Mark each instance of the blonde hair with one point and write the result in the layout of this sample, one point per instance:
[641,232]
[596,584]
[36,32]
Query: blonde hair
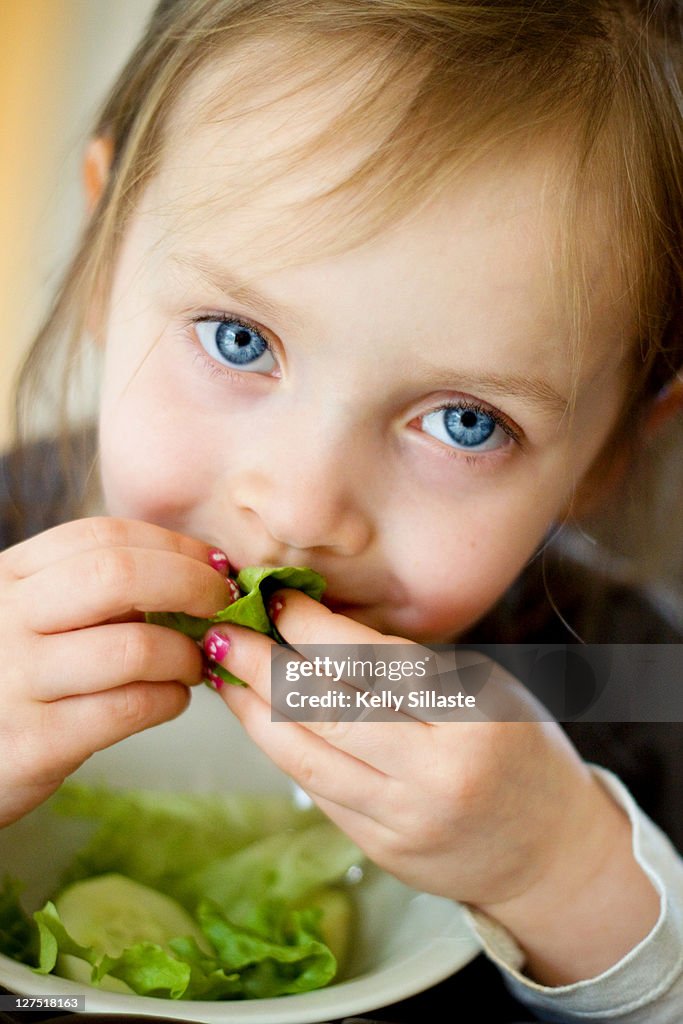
[441,83]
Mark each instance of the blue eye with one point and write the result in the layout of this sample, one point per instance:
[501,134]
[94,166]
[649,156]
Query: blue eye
[236,345]
[464,427]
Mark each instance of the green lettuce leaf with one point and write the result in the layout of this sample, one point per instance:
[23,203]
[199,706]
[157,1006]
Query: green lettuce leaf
[295,960]
[256,584]
[149,970]
[155,837]
[281,867]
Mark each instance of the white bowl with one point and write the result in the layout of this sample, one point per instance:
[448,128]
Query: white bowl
[406,941]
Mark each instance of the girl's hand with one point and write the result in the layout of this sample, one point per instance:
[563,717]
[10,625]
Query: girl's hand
[501,815]
[81,668]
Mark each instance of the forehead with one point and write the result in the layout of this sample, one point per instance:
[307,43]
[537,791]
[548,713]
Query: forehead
[234,186]
[249,134]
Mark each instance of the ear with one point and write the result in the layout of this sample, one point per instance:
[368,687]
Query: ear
[97,161]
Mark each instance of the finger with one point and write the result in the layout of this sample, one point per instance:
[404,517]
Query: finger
[320,769]
[92,534]
[94,721]
[101,657]
[382,744]
[91,587]
[301,620]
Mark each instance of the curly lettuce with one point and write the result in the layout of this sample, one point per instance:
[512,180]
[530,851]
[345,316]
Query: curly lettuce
[256,584]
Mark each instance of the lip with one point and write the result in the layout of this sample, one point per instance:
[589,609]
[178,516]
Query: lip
[236,565]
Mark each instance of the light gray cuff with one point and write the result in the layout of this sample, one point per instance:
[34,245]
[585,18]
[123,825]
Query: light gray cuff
[651,973]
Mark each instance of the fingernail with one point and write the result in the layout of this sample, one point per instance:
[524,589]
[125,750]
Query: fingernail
[235,592]
[218,560]
[275,606]
[216,645]
[214,679]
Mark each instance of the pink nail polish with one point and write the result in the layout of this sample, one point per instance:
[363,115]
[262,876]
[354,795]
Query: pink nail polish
[216,645]
[275,607]
[214,679]
[235,591]
[218,560]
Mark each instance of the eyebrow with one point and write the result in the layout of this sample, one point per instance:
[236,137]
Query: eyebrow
[231,284]
[534,390]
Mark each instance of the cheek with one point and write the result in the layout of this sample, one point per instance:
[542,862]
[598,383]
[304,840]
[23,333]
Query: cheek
[154,454]
[463,563]
[457,600]
[448,600]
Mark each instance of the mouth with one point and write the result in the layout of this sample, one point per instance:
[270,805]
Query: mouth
[338,605]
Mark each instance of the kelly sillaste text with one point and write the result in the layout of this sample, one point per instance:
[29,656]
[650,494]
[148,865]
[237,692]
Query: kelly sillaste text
[383,699]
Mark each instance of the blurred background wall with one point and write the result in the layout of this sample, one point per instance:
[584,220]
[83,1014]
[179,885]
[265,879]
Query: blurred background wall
[57,59]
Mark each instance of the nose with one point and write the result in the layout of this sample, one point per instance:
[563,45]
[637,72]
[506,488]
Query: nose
[301,494]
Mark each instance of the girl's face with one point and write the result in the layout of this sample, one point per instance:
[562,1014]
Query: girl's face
[394,417]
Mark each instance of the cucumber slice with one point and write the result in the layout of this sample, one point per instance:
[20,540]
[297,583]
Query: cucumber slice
[336,922]
[111,913]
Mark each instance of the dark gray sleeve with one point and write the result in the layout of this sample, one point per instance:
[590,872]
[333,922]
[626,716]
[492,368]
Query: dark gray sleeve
[40,488]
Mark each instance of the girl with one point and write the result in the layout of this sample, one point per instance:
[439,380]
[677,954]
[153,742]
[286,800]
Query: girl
[388,289]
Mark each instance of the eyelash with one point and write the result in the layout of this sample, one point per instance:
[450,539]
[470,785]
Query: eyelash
[485,410]
[219,370]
